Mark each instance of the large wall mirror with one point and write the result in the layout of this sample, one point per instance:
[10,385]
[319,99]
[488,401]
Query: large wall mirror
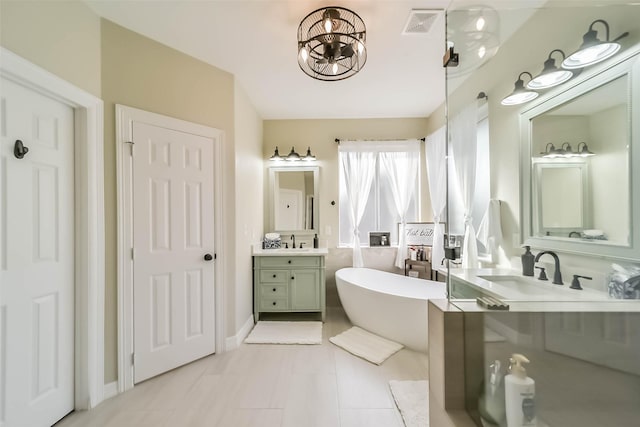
[578,184]
[293,199]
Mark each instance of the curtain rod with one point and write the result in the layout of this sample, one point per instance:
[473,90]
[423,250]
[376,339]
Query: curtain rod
[421,139]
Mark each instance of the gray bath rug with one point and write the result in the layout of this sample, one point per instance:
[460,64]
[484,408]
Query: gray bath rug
[364,344]
[270,332]
[412,399]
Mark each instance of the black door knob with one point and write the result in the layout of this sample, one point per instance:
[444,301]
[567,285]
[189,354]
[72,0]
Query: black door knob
[19,150]
[208,257]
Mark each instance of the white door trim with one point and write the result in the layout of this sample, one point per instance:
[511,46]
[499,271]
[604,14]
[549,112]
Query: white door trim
[124,118]
[89,224]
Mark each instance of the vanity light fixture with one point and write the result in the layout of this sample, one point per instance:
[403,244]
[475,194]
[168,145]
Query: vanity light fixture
[520,94]
[592,49]
[276,156]
[551,152]
[583,150]
[309,157]
[550,75]
[331,44]
[293,156]
[568,151]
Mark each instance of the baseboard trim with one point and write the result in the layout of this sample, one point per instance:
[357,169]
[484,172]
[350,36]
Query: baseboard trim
[234,342]
[110,390]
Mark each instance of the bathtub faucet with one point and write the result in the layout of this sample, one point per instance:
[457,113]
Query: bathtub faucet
[557,276]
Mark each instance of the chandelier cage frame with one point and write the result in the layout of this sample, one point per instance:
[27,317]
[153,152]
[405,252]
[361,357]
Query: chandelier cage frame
[334,54]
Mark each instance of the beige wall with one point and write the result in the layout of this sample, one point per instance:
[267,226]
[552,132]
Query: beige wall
[61,37]
[320,136]
[249,211]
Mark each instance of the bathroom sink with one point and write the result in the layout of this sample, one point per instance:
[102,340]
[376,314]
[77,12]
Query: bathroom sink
[519,284]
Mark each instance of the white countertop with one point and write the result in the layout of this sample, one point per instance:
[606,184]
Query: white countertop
[258,251]
[511,285]
[528,294]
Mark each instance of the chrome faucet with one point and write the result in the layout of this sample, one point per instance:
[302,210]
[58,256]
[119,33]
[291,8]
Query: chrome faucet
[557,276]
[293,237]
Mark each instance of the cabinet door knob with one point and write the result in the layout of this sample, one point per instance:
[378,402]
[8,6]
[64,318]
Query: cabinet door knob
[274,276]
[274,289]
[292,278]
[289,261]
[274,303]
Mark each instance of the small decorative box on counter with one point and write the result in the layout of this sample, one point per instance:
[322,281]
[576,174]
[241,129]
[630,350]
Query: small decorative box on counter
[272,241]
[624,282]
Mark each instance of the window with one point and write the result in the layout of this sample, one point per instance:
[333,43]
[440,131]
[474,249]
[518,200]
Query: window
[380,213]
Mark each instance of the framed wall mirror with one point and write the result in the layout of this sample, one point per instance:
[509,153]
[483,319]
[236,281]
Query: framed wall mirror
[293,199]
[578,186]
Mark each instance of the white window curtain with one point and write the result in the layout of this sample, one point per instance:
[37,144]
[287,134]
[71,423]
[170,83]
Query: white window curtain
[436,159]
[402,168]
[358,169]
[463,133]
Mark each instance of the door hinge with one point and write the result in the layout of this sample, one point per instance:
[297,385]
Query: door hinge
[133,253]
[215,256]
[133,358]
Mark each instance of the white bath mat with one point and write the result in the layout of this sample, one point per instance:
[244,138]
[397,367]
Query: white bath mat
[364,344]
[412,399]
[270,332]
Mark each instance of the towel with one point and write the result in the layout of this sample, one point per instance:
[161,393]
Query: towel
[490,233]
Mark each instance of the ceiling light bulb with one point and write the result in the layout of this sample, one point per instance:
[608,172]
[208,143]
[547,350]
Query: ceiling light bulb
[304,54]
[334,68]
[482,52]
[360,48]
[328,25]
[480,23]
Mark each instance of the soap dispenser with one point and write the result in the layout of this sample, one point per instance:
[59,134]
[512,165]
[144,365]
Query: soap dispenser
[315,241]
[519,394]
[527,262]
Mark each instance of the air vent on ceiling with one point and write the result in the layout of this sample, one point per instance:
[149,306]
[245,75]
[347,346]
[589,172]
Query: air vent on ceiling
[420,21]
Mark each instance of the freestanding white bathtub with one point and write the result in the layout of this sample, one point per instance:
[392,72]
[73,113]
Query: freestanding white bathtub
[389,305]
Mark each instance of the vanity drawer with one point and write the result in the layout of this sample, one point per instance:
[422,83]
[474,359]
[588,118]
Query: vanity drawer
[274,291]
[283,261]
[273,304]
[274,276]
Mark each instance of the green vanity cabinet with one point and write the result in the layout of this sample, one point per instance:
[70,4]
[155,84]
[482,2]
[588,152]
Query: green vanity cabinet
[288,284]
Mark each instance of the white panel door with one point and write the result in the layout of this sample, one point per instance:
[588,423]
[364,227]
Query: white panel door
[36,259]
[172,236]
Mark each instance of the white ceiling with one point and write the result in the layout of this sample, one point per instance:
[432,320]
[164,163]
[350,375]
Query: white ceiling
[256,41]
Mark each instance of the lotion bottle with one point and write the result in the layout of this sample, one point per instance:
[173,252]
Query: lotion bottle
[519,394]
[528,260]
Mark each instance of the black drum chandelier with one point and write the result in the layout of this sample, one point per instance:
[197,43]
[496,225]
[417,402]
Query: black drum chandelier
[331,44]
